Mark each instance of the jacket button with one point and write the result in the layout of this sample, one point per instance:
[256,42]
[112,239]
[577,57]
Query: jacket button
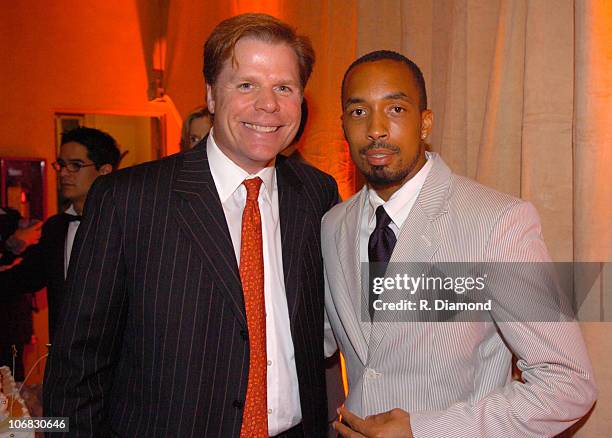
[238,404]
[244,334]
[371,373]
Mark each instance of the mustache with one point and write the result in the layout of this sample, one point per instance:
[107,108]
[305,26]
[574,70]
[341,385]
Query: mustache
[379,145]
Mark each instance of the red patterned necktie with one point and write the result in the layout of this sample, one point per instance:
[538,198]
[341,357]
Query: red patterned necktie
[255,417]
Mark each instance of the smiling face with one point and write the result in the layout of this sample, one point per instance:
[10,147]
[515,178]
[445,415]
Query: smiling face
[383,124]
[256,103]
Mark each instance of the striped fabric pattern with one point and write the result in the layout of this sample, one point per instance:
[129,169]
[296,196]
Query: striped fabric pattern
[454,378]
[153,339]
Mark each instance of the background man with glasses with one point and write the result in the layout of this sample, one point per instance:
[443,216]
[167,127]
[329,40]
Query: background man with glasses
[85,154]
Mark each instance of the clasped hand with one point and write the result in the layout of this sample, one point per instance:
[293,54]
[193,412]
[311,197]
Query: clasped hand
[392,424]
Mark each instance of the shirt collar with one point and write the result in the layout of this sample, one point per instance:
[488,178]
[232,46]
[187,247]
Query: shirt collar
[228,176]
[71,211]
[402,198]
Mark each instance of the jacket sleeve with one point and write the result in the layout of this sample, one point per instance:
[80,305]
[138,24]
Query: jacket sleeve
[557,386]
[30,275]
[81,362]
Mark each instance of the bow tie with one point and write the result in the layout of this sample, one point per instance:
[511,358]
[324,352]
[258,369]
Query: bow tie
[72,217]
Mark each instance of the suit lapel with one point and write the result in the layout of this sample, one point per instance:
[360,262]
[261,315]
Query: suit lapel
[57,250]
[418,240]
[293,213]
[200,214]
[351,298]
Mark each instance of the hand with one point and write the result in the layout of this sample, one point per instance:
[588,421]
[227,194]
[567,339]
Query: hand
[392,424]
[24,237]
[31,233]
[7,267]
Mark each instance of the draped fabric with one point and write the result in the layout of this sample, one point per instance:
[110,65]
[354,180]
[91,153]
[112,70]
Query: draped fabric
[153,21]
[500,81]
[593,191]
[522,97]
[331,26]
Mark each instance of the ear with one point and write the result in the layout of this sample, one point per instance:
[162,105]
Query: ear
[105,169]
[426,123]
[210,100]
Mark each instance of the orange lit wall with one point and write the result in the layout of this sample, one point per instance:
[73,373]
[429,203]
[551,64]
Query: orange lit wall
[272,7]
[68,55]
[65,56]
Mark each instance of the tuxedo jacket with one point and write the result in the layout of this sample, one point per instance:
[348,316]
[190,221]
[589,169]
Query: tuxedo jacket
[153,339]
[42,266]
[454,378]
[15,308]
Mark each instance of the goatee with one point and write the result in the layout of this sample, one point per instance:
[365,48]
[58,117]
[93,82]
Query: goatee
[379,176]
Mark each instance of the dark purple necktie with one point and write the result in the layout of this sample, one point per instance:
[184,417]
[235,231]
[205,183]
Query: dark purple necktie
[380,247]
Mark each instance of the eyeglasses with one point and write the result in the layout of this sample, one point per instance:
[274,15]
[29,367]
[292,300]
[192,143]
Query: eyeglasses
[71,166]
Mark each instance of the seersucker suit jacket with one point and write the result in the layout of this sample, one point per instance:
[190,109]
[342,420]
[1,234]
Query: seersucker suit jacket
[454,378]
[153,341]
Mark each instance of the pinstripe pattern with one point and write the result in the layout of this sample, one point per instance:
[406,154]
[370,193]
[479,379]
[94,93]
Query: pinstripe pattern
[153,338]
[454,377]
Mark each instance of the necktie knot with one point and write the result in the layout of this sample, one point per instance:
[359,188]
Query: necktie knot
[252,187]
[382,218]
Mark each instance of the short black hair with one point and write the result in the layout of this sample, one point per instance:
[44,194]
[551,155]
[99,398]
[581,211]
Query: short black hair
[379,55]
[101,147]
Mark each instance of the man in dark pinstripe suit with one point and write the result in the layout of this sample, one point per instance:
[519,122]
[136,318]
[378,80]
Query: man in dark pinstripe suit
[154,338]
[418,377]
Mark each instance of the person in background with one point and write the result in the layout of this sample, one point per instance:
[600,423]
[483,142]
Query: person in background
[85,154]
[195,127]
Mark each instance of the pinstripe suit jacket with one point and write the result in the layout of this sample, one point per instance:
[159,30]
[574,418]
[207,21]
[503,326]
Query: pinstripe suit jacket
[153,338]
[454,378]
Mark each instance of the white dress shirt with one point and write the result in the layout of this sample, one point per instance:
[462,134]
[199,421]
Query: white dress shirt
[73,226]
[397,207]
[284,410]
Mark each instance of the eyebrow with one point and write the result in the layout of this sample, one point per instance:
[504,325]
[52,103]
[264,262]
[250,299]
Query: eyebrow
[70,160]
[353,100]
[392,96]
[398,95]
[254,79]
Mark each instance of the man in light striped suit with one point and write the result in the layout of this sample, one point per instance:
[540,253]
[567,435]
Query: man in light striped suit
[422,378]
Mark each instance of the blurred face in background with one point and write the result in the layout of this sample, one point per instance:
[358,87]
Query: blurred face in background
[76,185]
[256,103]
[198,128]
